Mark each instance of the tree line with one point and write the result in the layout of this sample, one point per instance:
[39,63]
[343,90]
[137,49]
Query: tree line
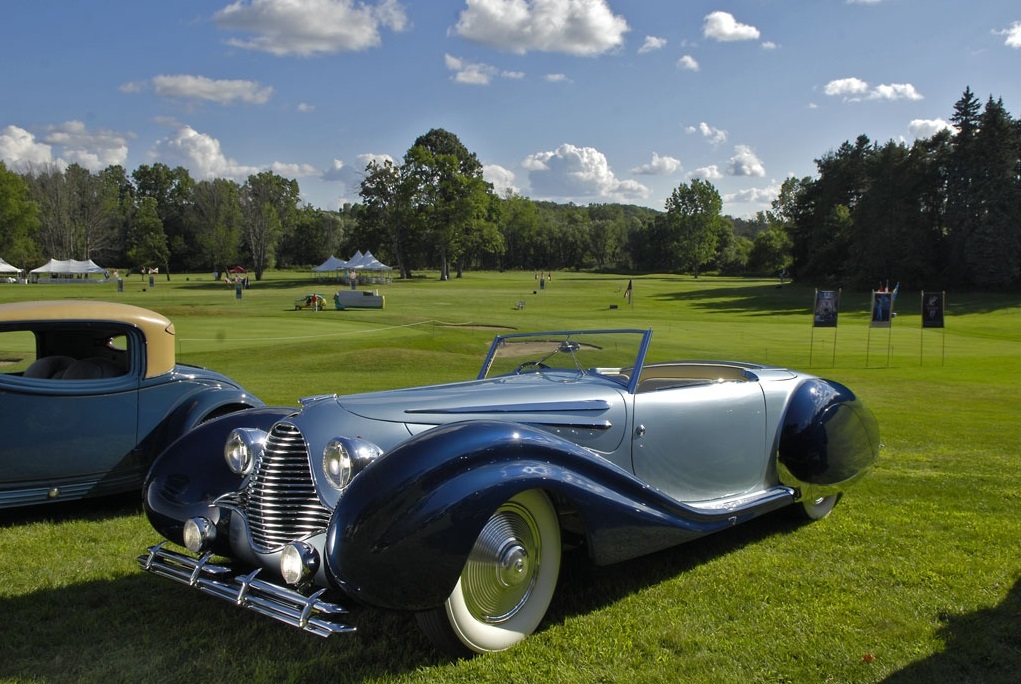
[940,212]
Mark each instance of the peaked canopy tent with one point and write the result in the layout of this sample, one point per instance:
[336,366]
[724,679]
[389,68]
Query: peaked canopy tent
[9,268]
[368,269]
[56,271]
[333,265]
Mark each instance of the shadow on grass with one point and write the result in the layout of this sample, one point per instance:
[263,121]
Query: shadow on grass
[101,508]
[144,628]
[584,588]
[983,646]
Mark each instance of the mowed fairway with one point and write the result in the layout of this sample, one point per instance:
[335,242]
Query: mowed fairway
[916,577]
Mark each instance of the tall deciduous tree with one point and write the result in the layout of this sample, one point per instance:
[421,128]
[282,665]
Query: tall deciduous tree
[172,190]
[389,202]
[147,243]
[269,203]
[453,198]
[216,213]
[19,220]
[693,216]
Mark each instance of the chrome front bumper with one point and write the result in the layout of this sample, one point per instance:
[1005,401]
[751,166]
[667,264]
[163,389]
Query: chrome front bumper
[309,613]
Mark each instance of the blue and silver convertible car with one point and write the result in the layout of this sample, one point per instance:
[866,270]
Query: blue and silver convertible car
[90,393]
[455,501]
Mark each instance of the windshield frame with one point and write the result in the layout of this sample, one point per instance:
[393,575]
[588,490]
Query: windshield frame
[634,369]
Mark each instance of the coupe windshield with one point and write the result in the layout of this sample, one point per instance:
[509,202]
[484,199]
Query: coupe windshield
[612,353]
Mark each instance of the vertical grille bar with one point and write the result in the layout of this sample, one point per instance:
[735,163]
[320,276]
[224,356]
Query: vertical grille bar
[280,501]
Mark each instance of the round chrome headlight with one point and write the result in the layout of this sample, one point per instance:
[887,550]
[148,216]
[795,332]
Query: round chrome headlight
[298,562]
[199,534]
[241,447]
[337,464]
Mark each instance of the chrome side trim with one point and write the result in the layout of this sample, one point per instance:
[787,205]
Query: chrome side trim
[308,613]
[532,407]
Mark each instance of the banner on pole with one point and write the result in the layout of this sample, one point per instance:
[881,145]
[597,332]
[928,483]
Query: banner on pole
[882,309]
[933,307]
[827,303]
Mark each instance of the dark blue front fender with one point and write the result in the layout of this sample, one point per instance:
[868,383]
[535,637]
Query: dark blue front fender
[190,473]
[404,527]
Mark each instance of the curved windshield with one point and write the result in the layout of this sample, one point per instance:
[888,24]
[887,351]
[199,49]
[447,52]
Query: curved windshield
[610,353]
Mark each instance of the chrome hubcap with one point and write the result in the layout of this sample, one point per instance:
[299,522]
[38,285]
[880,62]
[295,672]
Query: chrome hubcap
[501,569]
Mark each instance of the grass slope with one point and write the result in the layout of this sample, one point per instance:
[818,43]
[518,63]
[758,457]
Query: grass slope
[916,577]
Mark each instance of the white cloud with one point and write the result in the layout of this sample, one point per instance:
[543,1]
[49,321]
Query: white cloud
[711,172]
[769,45]
[571,172]
[926,128]
[688,63]
[1013,35]
[478,73]
[501,178]
[292,170]
[94,150]
[855,90]
[846,87]
[310,27]
[723,27]
[713,135]
[305,107]
[20,149]
[762,196]
[651,43]
[575,27]
[200,154]
[745,163]
[556,78]
[659,166]
[223,91]
[468,73]
[895,91]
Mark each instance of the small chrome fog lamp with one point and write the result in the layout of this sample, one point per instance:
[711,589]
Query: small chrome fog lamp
[241,447]
[199,534]
[298,562]
[337,464]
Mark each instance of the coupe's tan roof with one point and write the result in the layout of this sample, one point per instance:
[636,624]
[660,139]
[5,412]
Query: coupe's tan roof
[158,330]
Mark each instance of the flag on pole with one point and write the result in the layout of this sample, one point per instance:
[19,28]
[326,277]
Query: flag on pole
[627,292]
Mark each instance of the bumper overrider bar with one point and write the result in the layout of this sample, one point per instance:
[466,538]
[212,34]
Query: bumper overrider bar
[309,613]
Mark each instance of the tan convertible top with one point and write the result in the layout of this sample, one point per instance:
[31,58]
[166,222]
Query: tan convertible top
[157,329]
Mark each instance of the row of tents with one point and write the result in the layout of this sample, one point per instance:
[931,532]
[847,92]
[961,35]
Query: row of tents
[362,268]
[56,269]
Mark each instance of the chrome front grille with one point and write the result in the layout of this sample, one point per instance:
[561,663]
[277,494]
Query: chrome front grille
[280,501]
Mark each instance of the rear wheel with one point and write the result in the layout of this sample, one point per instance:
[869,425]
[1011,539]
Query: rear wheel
[507,582]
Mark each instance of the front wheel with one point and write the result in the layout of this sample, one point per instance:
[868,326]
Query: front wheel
[507,582]
[819,507]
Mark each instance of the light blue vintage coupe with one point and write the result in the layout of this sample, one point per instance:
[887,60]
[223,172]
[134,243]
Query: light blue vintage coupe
[90,393]
[454,501]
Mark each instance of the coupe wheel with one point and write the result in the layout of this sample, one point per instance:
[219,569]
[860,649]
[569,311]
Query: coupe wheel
[818,508]
[506,584]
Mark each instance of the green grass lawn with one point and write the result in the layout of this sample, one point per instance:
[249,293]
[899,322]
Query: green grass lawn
[916,577]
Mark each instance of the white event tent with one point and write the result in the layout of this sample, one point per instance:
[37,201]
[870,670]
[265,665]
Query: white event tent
[63,271]
[9,268]
[363,267]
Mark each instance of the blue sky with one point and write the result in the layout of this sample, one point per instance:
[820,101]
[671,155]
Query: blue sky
[584,101]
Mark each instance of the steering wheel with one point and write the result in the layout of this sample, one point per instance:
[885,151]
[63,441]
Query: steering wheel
[531,365]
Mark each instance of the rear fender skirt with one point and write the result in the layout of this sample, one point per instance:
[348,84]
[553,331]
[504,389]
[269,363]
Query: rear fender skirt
[404,527]
[829,438]
[185,479]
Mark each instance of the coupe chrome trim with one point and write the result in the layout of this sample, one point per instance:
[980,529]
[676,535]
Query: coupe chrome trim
[308,613]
